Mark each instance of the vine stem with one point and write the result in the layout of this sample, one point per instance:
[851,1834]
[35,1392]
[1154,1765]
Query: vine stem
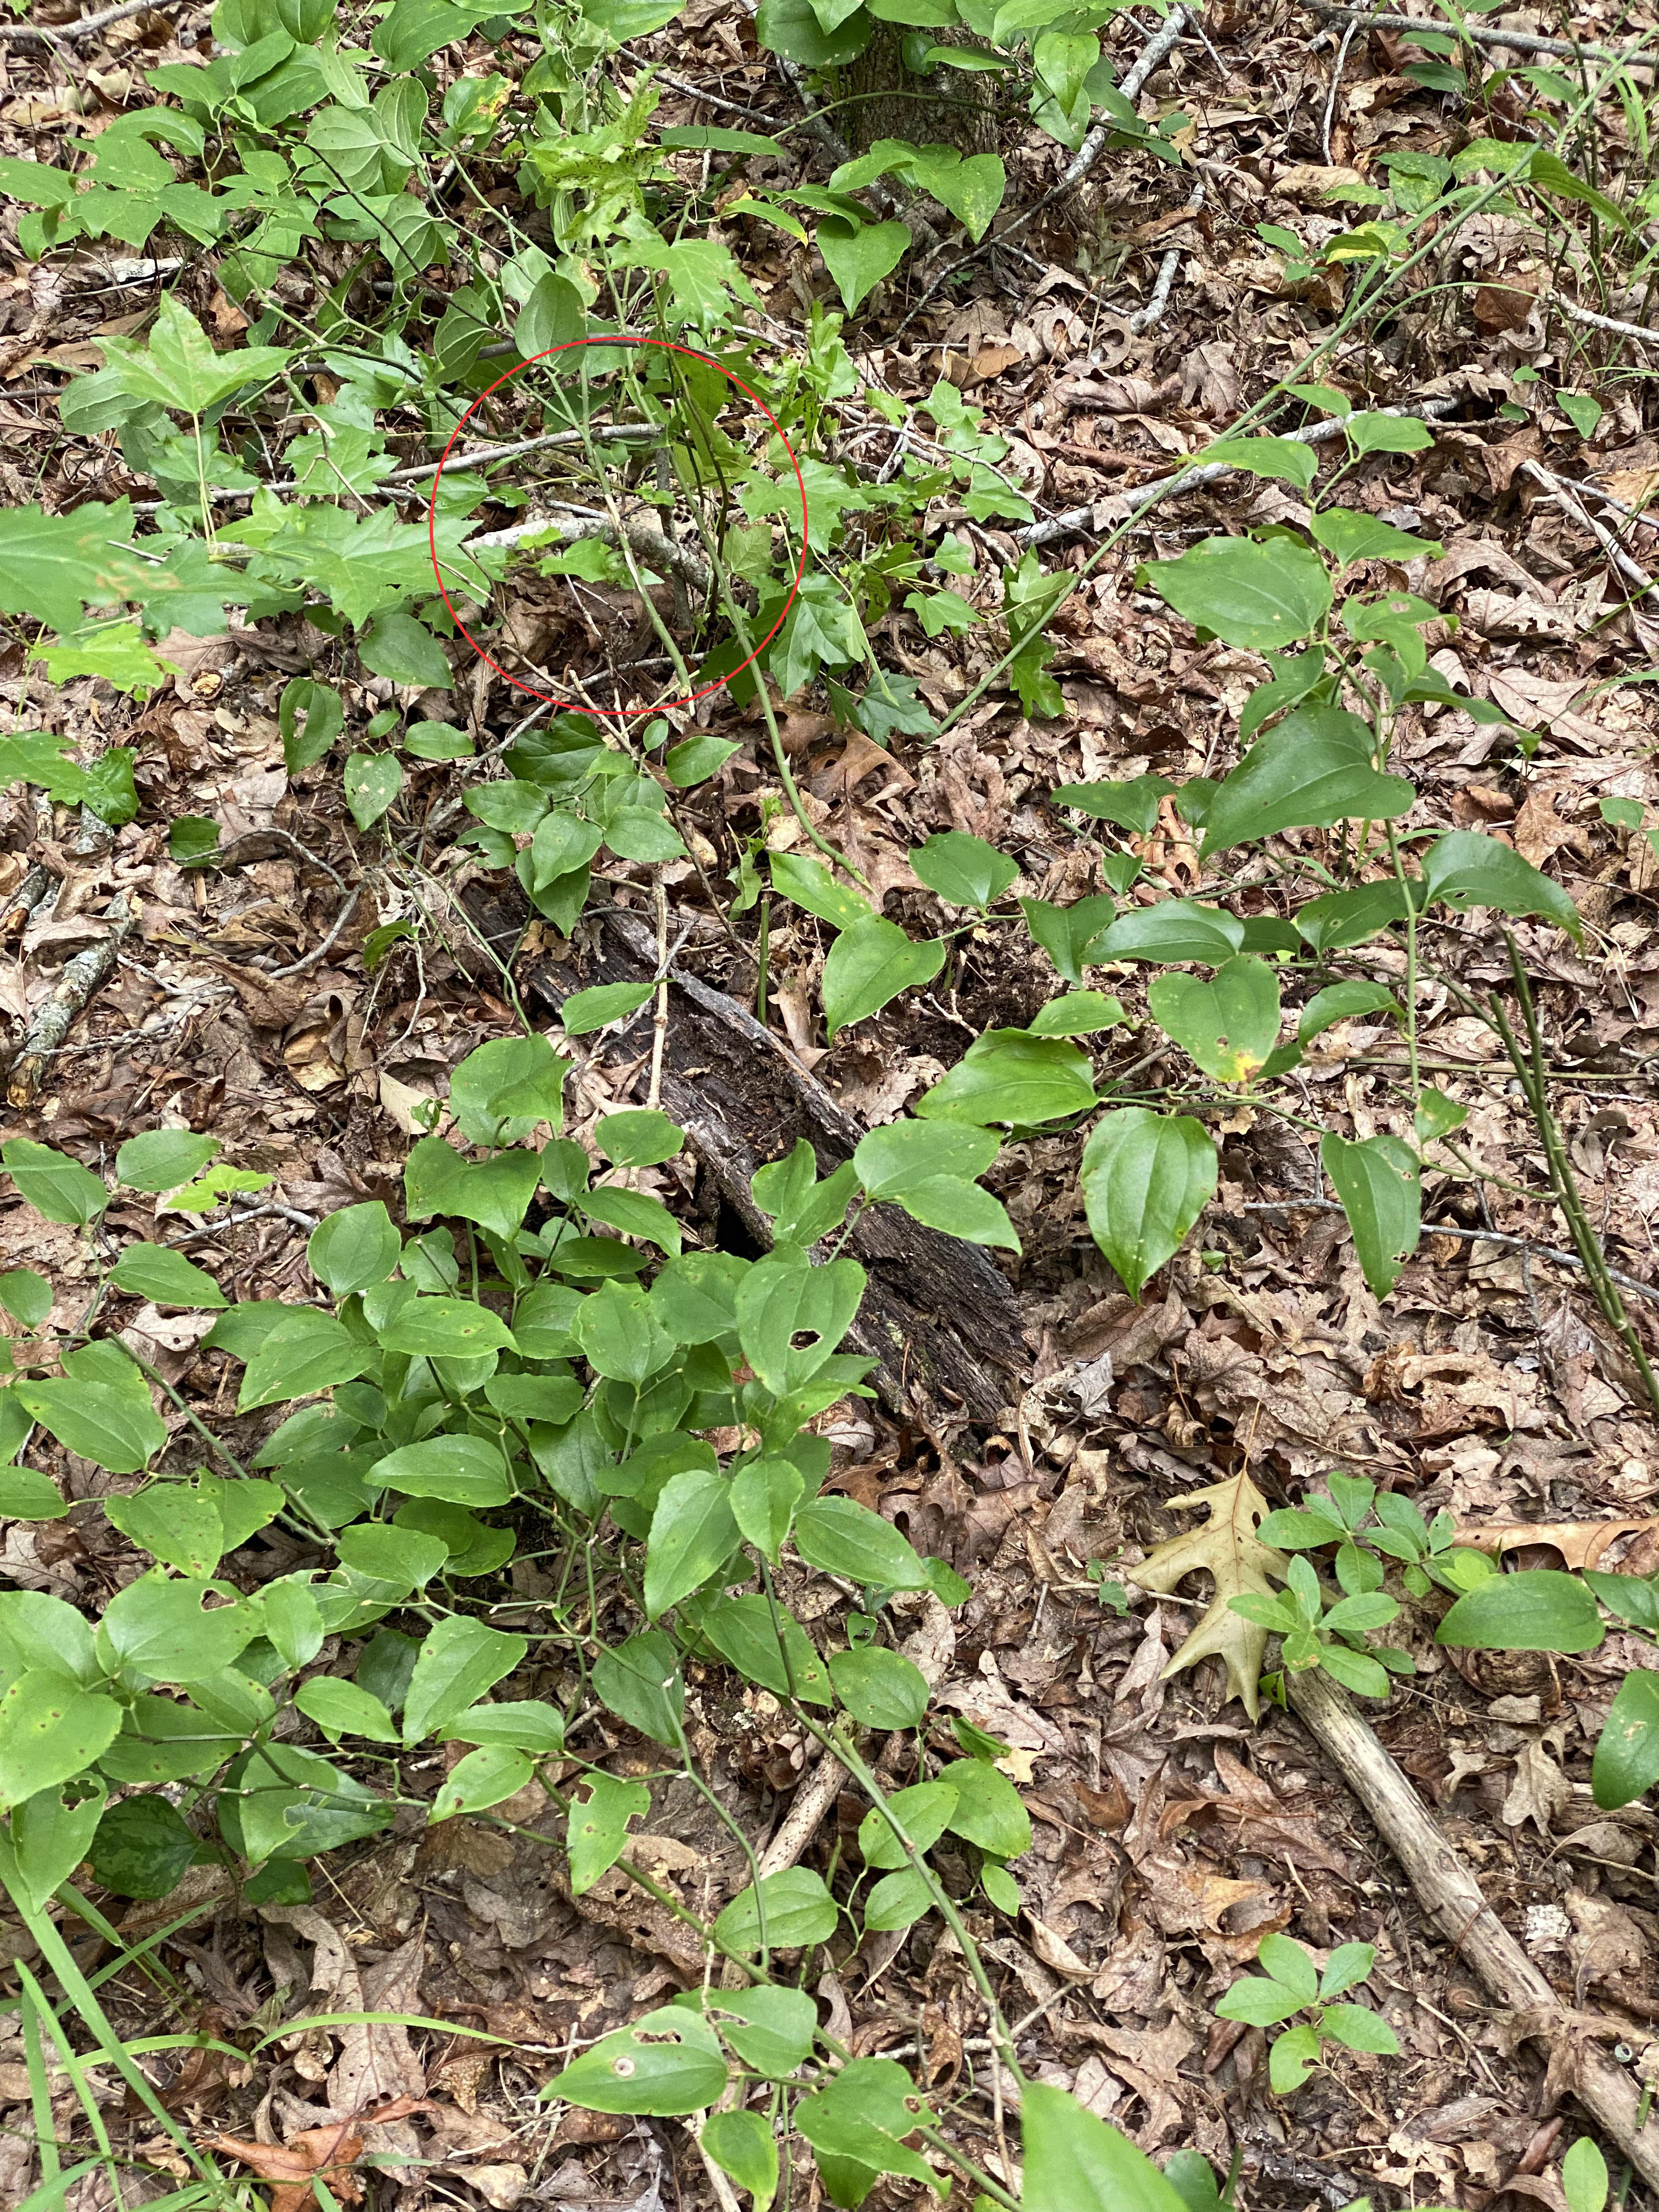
[1531,1072]
[1406,889]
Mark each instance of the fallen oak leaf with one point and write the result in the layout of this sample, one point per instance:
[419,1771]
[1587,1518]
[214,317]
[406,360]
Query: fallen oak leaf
[326,2153]
[1581,1543]
[1228,1548]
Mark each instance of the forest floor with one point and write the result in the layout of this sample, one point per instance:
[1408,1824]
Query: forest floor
[1171,1834]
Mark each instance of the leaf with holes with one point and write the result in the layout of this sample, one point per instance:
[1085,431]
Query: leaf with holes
[1229,1025]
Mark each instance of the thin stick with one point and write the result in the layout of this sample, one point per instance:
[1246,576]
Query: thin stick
[1452,1899]
[1148,317]
[1565,495]
[659,1020]
[1455,1229]
[27,34]
[1337,69]
[1520,42]
[1577,314]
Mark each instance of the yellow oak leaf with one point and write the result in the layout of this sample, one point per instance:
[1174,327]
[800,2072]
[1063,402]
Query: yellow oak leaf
[1228,1548]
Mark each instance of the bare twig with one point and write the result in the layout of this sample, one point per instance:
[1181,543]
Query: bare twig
[1148,317]
[35,887]
[567,529]
[320,952]
[1453,1901]
[1123,506]
[27,34]
[1455,1229]
[306,1221]
[1337,68]
[1495,35]
[1575,314]
[1567,497]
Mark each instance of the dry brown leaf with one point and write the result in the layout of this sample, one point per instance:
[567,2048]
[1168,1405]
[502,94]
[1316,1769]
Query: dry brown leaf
[1227,1548]
[1581,1543]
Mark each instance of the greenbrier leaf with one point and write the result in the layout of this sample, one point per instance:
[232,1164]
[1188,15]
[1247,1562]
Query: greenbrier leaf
[1537,1609]
[809,883]
[1229,1025]
[784,1911]
[143,1847]
[784,1297]
[101,1410]
[870,964]
[693,1533]
[584,1011]
[160,1630]
[1010,1076]
[1377,1182]
[597,1833]
[163,1159]
[842,1537]
[460,1470]
[484,1777]
[1340,1002]
[456,1664]
[964,870]
[1287,459]
[49,1731]
[304,1352]
[354,1248]
[54,1185]
[640,1681]
[1076,2163]
[1627,1762]
[666,2064]
[151,1271]
[1175,929]
[858,256]
[1316,768]
[1262,596]
[764,1641]
[1465,869]
[1351,536]
[372,781]
[1146,1178]
[171,1524]
[742,2144]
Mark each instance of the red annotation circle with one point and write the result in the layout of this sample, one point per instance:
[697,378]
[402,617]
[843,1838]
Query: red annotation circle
[584,706]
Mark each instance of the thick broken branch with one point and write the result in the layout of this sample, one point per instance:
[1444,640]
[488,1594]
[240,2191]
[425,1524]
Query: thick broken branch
[1453,1902]
[83,978]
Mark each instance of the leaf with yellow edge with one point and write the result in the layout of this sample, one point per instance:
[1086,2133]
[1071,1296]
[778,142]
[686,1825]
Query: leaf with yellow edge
[1228,1548]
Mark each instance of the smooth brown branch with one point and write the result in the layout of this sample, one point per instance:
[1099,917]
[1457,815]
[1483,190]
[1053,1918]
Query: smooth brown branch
[83,978]
[1453,1901]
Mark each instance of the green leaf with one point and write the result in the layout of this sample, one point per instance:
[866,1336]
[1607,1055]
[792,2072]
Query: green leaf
[179,369]
[1357,2027]
[784,1297]
[1584,2177]
[482,1779]
[764,1498]
[100,1410]
[526,1723]
[372,781]
[163,1159]
[584,1011]
[1175,929]
[1351,536]
[1627,1762]
[881,1689]
[1536,1610]
[50,1835]
[635,1213]
[1259,2001]
[55,1186]
[1316,768]
[764,1641]
[456,1664]
[284,1803]
[1229,1025]
[692,1533]
[151,1271]
[1262,596]
[899,1155]
[28,1495]
[742,2145]
[842,1537]
[171,1524]
[310,715]
[596,1832]
[1146,1178]
[640,1681]
[50,1730]
[1349,1964]
[446,1329]
[1010,1076]
[158,1630]
[1378,1183]
[462,1470]
[640,1138]
[26,1296]
[341,1708]
[810,885]
[143,1848]
[1287,459]
[1076,2163]
[1077,1013]
[354,1248]
[988,1811]
[1465,869]
[870,964]
[51,566]
[923,1813]
[964,870]
[665,2065]
[1388,433]
[1292,2059]
[1287,1962]
[1067,933]
[1340,1002]
[802,1208]
[794,1907]
[858,256]
[305,1352]
[1131,804]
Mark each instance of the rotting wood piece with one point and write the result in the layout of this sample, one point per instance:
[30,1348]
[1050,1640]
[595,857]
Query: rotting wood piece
[939,1315]
[1457,1910]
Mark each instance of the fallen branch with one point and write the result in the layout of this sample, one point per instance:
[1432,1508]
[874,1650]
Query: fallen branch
[1155,50]
[1577,314]
[36,886]
[1124,506]
[566,529]
[1566,497]
[1520,42]
[83,978]
[1148,317]
[1453,1902]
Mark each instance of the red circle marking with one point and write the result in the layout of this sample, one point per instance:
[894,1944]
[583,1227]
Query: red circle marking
[583,706]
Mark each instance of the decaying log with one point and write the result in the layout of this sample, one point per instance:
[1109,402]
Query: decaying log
[939,1315]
